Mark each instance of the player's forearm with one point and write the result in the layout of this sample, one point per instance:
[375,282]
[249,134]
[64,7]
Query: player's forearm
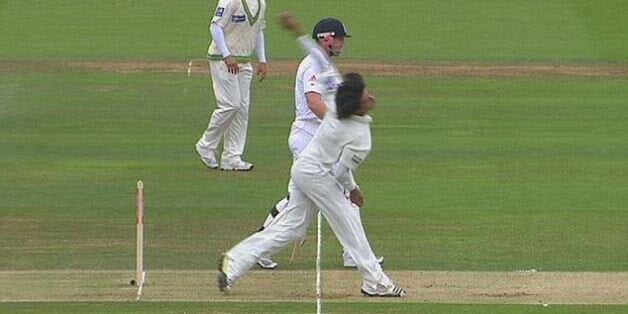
[260,47]
[316,104]
[218,36]
[344,176]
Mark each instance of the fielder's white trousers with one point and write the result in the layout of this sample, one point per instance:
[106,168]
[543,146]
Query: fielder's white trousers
[230,119]
[312,189]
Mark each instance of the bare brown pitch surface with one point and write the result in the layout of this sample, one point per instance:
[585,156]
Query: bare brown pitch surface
[375,68]
[288,67]
[338,286]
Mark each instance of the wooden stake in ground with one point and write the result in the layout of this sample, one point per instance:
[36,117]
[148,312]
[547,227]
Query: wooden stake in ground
[140,274]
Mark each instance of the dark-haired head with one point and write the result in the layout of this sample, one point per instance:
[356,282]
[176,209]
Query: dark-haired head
[352,97]
[349,95]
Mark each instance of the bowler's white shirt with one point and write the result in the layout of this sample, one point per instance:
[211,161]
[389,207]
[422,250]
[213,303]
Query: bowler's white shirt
[347,141]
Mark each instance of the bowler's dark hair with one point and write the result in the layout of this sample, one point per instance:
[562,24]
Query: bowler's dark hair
[349,95]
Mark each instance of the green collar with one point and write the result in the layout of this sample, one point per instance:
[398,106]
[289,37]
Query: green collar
[252,19]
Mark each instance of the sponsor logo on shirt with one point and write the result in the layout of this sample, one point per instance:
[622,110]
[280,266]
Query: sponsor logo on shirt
[220,11]
[313,78]
[238,18]
[356,159]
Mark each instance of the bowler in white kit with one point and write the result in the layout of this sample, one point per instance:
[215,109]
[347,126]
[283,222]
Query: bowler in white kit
[320,175]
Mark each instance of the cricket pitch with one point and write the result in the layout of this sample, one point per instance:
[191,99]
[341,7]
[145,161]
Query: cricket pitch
[462,287]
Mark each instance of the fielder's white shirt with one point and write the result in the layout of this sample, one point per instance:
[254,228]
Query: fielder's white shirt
[346,141]
[239,25]
[315,74]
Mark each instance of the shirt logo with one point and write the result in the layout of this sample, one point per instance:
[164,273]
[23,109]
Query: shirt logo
[356,159]
[238,18]
[220,11]
[313,78]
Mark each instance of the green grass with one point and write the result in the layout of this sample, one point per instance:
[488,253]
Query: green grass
[466,173]
[562,31]
[481,181]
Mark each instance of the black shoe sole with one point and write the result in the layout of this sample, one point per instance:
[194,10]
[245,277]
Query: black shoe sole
[366,294]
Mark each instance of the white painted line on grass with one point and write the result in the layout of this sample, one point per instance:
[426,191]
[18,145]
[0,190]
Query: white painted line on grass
[170,300]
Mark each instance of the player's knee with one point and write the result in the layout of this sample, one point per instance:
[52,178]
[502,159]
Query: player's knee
[226,107]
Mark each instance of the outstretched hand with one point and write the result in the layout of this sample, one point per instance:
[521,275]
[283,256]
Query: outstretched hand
[290,23]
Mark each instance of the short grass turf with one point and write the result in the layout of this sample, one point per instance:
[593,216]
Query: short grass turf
[465,174]
[562,31]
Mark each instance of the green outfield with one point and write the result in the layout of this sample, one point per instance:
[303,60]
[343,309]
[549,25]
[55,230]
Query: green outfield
[470,170]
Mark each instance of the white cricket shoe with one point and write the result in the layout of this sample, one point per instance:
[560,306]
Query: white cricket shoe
[224,283]
[350,263]
[383,291]
[208,157]
[238,165]
[267,263]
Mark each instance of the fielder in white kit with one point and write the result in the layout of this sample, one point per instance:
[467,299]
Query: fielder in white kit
[343,138]
[237,29]
[330,34]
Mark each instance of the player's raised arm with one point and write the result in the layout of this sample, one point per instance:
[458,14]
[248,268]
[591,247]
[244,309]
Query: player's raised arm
[290,23]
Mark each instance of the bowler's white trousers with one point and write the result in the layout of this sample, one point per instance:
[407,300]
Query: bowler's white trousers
[312,189]
[231,117]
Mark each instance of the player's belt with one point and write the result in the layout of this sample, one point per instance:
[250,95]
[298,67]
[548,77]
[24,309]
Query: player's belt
[241,59]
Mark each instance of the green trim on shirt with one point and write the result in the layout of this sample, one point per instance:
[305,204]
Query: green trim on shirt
[252,19]
[240,59]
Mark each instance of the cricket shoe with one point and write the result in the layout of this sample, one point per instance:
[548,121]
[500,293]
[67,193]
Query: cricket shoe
[224,283]
[238,165]
[350,263]
[391,291]
[267,263]
[208,157]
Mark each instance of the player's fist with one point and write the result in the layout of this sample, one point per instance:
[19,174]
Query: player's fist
[356,197]
[290,24]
